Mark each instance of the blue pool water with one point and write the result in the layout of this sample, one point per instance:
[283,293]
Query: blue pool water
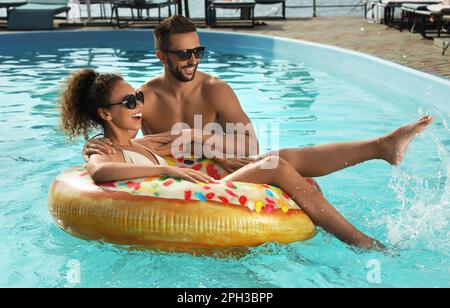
[316,95]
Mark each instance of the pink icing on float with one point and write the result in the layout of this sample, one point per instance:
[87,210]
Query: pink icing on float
[174,214]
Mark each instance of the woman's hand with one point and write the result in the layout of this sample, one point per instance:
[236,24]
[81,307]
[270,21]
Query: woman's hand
[233,164]
[188,175]
[98,146]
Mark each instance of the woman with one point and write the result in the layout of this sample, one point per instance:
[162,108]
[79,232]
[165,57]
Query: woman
[105,100]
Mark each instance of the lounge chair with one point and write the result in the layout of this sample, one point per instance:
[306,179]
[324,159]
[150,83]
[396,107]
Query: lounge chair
[140,5]
[372,7]
[267,2]
[409,12]
[391,6]
[36,14]
[436,12]
[102,6]
[247,8]
[8,4]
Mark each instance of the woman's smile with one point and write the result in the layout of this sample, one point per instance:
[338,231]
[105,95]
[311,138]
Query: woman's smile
[137,116]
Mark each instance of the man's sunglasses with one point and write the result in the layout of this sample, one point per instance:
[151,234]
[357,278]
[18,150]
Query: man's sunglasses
[186,54]
[130,101]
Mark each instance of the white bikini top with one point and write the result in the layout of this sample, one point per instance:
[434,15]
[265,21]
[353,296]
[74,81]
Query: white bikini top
[135,158]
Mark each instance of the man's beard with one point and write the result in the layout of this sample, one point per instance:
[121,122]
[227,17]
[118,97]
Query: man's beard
[178,74]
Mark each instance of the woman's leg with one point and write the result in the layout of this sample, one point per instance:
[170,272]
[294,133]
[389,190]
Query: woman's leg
[311,201]
[325,159]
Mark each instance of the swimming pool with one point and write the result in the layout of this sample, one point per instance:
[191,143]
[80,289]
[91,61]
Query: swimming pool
[315,93]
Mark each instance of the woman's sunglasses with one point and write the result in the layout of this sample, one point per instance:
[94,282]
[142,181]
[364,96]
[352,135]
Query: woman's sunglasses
[130,101]
[186,54]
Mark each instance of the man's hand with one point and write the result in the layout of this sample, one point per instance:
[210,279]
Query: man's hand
[233,164]
[98,146]
[165,141]
[159,140]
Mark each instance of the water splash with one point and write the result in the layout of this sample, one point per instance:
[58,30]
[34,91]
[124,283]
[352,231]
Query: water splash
[424,214]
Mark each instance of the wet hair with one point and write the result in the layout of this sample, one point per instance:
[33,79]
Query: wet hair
[173,25]
[84,92]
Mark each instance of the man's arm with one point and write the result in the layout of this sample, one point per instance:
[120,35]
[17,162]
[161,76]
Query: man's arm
[241,140]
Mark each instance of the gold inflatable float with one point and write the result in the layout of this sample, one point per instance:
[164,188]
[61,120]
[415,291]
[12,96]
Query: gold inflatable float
[173,214]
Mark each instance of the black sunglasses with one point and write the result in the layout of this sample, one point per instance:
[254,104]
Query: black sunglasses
[130,101]
[186,54]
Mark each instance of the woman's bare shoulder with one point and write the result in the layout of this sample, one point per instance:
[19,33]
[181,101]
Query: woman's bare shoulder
[107,158]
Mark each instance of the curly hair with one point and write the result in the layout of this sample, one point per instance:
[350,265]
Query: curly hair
[173,25]
[84,92]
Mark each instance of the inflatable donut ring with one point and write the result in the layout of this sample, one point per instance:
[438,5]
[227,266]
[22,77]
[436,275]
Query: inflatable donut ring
[173,214]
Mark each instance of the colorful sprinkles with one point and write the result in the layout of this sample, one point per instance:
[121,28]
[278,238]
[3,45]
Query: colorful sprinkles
[261,198]
[200,196]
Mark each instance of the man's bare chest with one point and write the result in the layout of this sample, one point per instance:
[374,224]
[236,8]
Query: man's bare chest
[162,117]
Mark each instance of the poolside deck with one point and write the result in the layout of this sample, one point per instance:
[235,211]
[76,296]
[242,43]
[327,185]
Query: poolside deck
[356,34]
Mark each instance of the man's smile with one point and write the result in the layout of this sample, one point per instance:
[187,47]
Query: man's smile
[190,69]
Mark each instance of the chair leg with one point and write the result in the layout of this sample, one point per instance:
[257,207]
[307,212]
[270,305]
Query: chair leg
[253,17]
[388,18]
[391,15]
[416,23]
[103,10]
[423,31]
[118,17]
[385,16]
[408,21]
[116,9]
[439,22]
[186,9]
[402,21]
[110,20]
[212,13]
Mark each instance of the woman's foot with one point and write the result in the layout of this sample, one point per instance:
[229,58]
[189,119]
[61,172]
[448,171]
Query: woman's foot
[396,143]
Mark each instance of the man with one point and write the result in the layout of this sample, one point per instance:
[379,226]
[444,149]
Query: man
[184,94]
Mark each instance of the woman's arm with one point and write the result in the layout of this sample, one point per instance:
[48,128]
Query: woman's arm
[105,168]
